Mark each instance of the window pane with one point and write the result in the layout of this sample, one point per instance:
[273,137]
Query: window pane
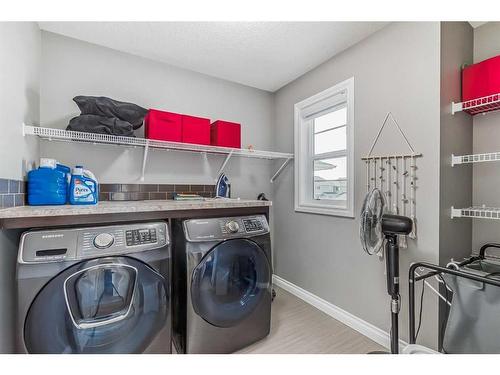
[330,120]
[330,180]
[331,140]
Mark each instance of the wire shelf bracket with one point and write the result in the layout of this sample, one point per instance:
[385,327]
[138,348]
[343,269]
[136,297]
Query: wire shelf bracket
[144,161]
[52,134]
[280,169]
[226,160]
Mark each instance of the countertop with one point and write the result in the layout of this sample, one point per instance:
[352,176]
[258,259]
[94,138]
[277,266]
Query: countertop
[30,216]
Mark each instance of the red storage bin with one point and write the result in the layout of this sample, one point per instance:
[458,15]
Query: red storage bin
[195,130]
[225,134]
[163,126]
[481,79]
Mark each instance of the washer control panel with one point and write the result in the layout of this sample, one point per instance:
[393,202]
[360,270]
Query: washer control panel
[141,236]
[81,243]
[200,230]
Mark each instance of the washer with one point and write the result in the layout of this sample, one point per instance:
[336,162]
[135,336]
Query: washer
[222,283]
[95,290]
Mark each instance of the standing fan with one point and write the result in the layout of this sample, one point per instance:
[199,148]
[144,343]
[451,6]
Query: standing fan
[375,228]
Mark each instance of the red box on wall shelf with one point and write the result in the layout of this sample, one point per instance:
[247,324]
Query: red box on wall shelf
[163,126]
[481,79]
[195,130]
[225,134]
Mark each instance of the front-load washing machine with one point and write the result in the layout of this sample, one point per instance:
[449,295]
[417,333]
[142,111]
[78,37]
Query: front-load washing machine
[222,283]
[95,290]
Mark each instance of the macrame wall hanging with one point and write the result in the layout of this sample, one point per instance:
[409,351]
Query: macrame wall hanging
[395,175]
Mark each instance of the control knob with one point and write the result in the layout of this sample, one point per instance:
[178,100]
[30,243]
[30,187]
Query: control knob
[232,226]
[103,240]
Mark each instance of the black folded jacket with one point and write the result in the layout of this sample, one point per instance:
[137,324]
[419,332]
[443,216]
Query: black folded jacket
[101,125]
[107,107]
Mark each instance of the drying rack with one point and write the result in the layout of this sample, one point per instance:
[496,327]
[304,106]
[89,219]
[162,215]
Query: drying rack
[434,270]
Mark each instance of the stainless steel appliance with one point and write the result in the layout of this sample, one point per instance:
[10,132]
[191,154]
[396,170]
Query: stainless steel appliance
[95,290]
[222,283]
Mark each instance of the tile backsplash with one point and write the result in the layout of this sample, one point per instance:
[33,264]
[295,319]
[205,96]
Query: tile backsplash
[135,192]
[12,193]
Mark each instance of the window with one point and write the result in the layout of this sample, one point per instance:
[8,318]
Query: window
[324,152]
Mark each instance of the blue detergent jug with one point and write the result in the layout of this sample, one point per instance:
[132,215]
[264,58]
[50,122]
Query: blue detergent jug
[83,188]
[48,185]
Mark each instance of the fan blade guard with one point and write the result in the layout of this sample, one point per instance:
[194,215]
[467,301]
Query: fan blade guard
[370,229]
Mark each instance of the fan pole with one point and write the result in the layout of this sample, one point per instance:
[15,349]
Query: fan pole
[392,263]
[391,226]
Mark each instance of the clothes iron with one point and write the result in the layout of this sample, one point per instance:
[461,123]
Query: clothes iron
[222,188]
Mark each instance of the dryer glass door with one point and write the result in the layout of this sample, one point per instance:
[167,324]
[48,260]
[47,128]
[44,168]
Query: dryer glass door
[106,305]
[230,282]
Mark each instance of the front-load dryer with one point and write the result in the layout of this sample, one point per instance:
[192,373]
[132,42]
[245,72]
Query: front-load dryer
[95,290]
[222,283]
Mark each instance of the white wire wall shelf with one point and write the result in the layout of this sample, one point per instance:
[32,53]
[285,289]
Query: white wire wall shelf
[474,158]
[477,212]
[480,105]
[52,134]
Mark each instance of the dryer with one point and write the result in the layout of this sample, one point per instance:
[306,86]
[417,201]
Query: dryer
[95,290]
[222,283]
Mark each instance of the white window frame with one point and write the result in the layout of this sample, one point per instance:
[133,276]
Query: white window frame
[304,143]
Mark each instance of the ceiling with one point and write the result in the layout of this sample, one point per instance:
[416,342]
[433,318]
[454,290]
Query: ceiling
[265,55]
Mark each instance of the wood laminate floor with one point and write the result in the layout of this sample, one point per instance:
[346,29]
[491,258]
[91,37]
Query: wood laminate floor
[297,327]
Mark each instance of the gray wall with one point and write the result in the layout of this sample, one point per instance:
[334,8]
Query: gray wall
[396,69]
[71,67]
[486,177]
[455,236]
[19,101]
[19,95]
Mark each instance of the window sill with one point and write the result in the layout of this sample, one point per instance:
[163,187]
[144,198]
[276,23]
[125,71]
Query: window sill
[348,214]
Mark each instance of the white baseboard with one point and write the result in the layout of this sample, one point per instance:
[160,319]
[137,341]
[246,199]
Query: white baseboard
[367,329]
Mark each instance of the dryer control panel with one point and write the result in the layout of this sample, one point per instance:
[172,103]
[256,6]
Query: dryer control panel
[252,225]
[59,245]
[201,230]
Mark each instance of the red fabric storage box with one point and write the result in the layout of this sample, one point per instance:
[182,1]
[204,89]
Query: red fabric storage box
[195,130]
[481,79]
[163,126]
[225,134]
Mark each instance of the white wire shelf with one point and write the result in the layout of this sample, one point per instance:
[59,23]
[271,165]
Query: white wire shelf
[474,158]
[477,212]
[480,105]
[94,138]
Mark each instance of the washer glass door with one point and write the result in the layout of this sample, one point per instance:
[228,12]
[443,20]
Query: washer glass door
[106,305]
[230,282]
